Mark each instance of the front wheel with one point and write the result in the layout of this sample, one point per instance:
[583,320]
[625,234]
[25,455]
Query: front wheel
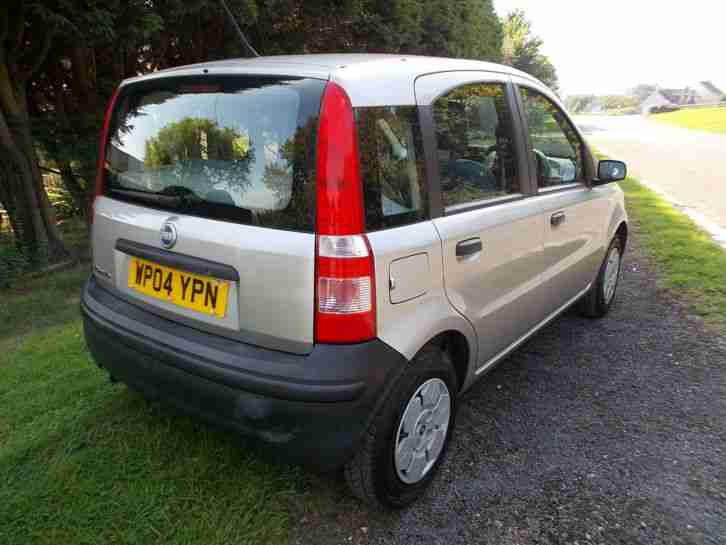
[597,302]
[405,444]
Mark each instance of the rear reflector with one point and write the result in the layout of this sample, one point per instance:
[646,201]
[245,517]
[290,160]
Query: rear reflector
[345,310]
[344,295]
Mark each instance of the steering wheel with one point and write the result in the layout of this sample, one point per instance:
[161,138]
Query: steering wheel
[490,150]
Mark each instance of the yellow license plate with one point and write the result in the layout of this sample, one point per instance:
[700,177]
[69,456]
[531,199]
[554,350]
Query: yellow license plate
[193,291]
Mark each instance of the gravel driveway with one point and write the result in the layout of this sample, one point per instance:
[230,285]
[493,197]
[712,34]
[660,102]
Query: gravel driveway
[594,432]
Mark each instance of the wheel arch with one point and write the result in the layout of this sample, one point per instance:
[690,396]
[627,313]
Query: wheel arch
[456,345]
[618,222]
[622,233]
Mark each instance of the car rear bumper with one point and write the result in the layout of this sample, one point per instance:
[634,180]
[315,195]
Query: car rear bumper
[315,407]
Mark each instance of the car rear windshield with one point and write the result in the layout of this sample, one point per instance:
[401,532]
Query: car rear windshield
[237,148]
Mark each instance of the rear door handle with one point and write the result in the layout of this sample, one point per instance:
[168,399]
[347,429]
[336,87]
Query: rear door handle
[557,218]
[468,247]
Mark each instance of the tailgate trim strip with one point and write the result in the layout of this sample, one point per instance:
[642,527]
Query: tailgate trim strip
[182,262]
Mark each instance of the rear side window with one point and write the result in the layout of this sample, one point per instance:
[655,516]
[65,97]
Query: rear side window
[230,148]
[392,166]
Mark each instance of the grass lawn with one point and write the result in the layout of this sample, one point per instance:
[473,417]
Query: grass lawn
[702,119]
[85,461]
[689,261]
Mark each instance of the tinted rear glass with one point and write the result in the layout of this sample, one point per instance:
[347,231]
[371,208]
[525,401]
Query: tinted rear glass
[234,148]
[392,166]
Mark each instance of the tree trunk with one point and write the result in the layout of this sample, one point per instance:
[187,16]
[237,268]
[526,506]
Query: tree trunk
[74,187]
[29,222]
[24,220]
[7,201]
[32,202]
[56,247]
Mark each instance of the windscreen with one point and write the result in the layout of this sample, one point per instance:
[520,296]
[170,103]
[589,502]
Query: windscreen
[234,148]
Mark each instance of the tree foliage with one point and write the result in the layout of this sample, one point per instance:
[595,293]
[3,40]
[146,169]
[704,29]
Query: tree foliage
[579,103]
[586,103]
[197,152]
[450,28]
[459,28]
[522,49]
[194,139]
[60,61]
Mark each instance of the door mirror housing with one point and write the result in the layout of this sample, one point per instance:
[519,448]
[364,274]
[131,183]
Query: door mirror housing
[610,171]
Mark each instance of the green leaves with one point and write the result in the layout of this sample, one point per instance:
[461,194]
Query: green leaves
[67,56]
[521,49]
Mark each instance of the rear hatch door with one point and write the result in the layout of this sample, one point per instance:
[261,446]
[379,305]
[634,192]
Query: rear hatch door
[207,215]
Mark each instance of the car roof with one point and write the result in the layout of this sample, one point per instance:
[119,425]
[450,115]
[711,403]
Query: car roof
[360,74]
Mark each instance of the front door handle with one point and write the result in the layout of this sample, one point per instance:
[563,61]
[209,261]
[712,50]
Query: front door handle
[558,218]
[468,247]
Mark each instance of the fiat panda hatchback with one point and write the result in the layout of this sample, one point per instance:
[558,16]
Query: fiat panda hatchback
[325,251]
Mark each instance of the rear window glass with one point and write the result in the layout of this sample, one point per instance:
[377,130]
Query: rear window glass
[392,166]
[235,148]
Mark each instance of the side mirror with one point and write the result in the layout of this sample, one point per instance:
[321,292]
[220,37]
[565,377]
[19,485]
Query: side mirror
[610,171]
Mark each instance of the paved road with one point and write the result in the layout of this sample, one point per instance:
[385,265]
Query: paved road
[688,165]
[604,432]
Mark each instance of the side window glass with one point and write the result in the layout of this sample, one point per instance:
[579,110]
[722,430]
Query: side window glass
[392,165]
[474,144]
[556,147]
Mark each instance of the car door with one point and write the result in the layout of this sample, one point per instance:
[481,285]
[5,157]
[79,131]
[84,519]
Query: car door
[482,204]
[572,213]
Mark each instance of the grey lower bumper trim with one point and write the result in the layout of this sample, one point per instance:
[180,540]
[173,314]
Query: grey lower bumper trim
[330,373]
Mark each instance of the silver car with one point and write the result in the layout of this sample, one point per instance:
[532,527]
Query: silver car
[325,251]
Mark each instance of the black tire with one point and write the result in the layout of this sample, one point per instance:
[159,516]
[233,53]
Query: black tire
[371,474]
[594,303]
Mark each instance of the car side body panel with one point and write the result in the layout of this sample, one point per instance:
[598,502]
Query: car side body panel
[498,288]
[407,326]
[573,249]
[618,215]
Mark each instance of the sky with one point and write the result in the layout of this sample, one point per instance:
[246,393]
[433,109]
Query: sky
[604,47]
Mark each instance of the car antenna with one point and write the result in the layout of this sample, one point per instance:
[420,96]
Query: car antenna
[242,37]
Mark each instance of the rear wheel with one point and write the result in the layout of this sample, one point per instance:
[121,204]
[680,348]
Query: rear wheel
[597,302]
[405,444]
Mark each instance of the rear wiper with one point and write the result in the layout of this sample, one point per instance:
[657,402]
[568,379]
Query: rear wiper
[186,196]
[176,201]
[156,198]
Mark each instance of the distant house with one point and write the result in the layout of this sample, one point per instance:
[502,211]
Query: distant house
[704,92]
[708,93]
[667,98]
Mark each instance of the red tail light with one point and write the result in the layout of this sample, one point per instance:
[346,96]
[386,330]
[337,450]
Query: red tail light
[345,307]
[102,153]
